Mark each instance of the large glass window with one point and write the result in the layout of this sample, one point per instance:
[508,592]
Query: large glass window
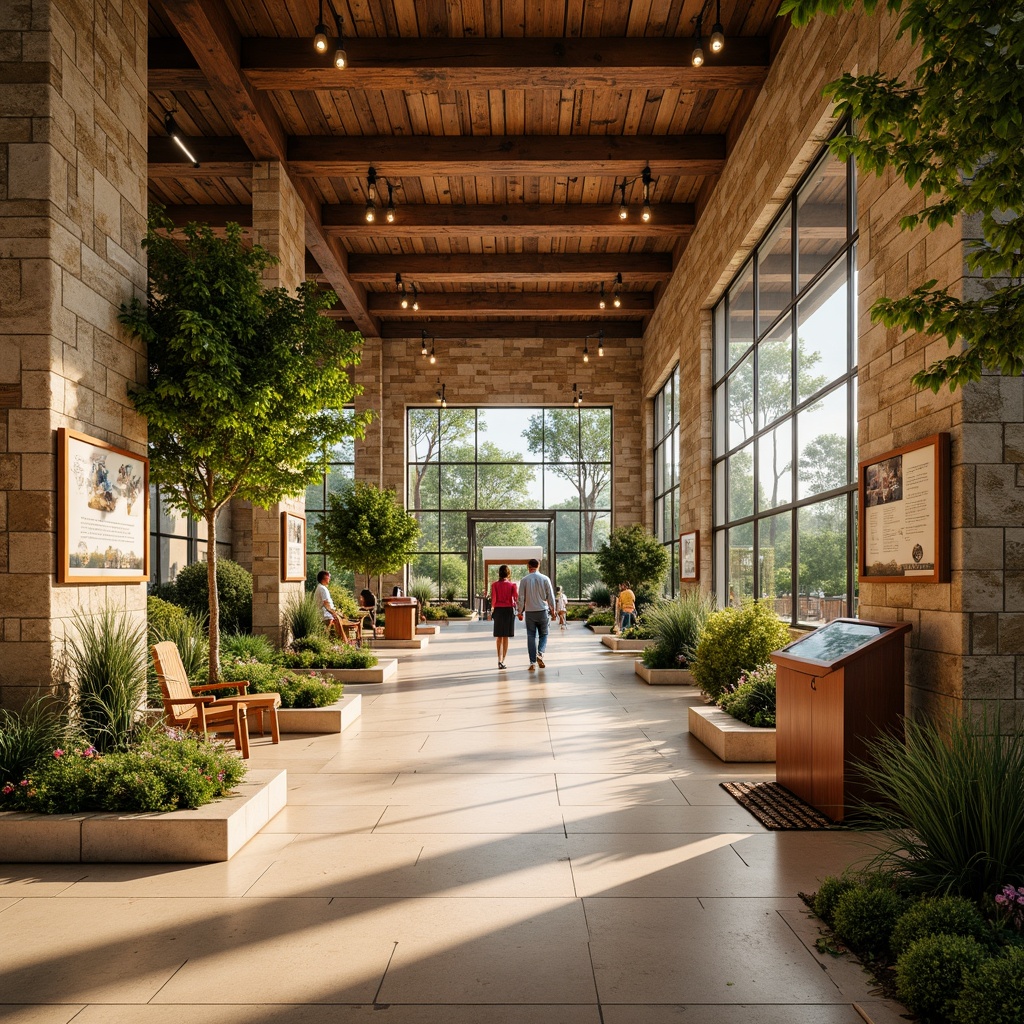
[666,475]
[341,468]
[785,440]
[509,460]
[176,540]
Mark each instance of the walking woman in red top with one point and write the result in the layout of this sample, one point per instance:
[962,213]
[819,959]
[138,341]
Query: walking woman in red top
[504,595]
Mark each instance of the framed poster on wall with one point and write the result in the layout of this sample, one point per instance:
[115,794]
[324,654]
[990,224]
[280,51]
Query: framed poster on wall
[103,505]
[689,556]
[293,547]
[903,504]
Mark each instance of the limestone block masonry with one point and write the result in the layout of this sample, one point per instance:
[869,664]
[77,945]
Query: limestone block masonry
[72,216]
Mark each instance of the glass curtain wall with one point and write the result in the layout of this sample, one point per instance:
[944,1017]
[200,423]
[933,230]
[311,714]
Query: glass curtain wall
[666,476]
[341,470]
[176,540]
[785,440]
[465,460]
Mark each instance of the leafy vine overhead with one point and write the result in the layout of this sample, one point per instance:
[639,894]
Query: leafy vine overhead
[954,130]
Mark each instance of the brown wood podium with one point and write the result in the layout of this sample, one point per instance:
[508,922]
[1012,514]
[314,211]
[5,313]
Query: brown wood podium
[837,688]
[400,618]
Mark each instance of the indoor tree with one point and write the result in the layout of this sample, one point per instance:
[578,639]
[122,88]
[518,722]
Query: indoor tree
[246,384]
[632,555]
[953,131]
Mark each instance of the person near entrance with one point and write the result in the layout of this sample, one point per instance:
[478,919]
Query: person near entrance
[537,606]
[504,595]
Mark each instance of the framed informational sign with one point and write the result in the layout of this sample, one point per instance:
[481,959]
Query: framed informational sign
[103,504]
[904,514]
[293,547]
[689,556]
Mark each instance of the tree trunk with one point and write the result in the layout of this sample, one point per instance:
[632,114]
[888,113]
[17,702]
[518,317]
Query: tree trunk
[211,582]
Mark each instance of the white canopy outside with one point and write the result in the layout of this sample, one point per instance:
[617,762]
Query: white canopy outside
[494,555]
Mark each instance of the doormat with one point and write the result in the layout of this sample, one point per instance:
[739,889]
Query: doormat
[776,808]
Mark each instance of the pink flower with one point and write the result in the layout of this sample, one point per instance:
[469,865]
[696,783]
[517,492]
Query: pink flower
[24,782]
[58,752]
[8,789]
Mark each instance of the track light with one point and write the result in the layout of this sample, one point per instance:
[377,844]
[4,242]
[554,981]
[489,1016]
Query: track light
[389,213]
[717,40]
[600,343]
[623,206]
[645,212]
[423,343]
[179,139]
[320,32]
[340,56]
[601,302]
[617,297]
[577,396]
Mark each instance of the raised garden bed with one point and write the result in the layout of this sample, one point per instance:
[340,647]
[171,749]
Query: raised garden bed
[728,738]
[663,676]
[215,832]
[616,643]
[601,630]
[334,717]
[384,670]
[429,629]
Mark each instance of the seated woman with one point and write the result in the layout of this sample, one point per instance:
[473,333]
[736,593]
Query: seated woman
[368,610]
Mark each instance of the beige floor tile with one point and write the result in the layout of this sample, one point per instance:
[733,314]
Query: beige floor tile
[296,818]
[656,818]
[618,790]
[750,1013]
[395,1013]
[352,788]
[10,1014]
[799,860]
[707,792]
[461,791]
[20,880]
[526,815]
[734,951]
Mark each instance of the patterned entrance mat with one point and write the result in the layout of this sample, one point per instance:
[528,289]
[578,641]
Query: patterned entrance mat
[776,808]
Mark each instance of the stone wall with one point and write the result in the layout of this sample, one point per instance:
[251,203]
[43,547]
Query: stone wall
[72,216]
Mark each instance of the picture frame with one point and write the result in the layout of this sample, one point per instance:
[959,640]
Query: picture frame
[903,506]
[293,547]
[103,511]
[689,556]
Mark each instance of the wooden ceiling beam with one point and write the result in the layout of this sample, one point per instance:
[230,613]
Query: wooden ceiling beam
[502,155]
[208,30]
[215,216]
[569,330]
[291,65]
[644,268]
[525,304]
[518,220]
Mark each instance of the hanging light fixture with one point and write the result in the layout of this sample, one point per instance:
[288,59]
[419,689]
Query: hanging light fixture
[617,297]
[442,399]
[600,342]
[645,212]
[340,56]
[601,302]
[586,351]
[697,55]
[623,205]
[423,346]
[717,40]
[320,41]
[389,213]
[423,342]
[180,140]
[577,396]
[371,196]
[415,299]
[403,299]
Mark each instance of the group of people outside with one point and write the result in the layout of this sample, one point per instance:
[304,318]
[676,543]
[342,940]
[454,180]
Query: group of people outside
[534,602]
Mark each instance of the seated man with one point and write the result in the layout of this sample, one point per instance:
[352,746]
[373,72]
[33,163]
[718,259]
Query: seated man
[325,603]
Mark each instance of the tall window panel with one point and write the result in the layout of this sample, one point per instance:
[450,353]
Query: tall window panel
[666,475]
[785,426]
[509,460]
[177,540]
[341,469]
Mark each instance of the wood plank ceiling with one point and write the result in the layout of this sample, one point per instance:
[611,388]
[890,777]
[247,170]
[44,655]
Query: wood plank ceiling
[510,133]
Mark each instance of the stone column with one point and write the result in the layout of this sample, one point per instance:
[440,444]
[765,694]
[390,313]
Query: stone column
[72,216]
[278,224]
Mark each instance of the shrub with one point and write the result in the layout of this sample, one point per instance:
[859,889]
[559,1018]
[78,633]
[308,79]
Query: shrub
[423,589]
[188,633]
[641,631]
[647,595]
[166,592]
[632,554]
[948,806]
[159,613]
[454,610]
[164,772]
[577,612]
[601,618]
[107,658]
[676,626]
[27,737]
[357,657]
[865,916]
[753,700]
[297,691]
[432,614]
[946,915]
[234,593]
[319,652]
[734,641]
[600,595]
[994,992]
[303,618]
[827,896]
[245,646]
[931,973]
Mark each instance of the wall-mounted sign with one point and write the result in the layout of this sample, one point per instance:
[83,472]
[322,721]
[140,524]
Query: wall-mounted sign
[689,556]
[103,495]
[293,547]
[904,514]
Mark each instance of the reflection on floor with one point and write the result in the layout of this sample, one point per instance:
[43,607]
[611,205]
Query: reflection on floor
[484,846]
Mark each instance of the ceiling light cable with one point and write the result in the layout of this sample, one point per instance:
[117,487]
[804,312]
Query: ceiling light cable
[320,42]
[340,56]
[717,40]
[617,297]
[697,56]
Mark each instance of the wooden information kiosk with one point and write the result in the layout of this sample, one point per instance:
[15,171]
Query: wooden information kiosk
[400,618]
[837,688]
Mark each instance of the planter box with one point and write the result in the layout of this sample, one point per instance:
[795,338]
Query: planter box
[335,717]
[428,630]
[601,630]
[663,676]
[616,643]
[730,739]
[380,673]
[212,833]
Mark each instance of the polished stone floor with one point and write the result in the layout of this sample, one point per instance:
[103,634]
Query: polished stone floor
[482,847]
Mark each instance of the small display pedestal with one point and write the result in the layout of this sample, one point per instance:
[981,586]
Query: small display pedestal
[837,688]
[400,618]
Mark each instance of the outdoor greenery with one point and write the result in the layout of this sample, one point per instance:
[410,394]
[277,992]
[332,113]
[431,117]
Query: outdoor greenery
[302,617]
[994,992]
[26,737]
[600,595]
[753,699]
[601,618]
[952,131]
[234,593]
[246,384]
[677,627]
[934,915]
[188,633]
[931,973]
[245,647]
[317,651]
[297,690]
[423,590]
[632,555]
[640,631]
[577,613]
[865,917]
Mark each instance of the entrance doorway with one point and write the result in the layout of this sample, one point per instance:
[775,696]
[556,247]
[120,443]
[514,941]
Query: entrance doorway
[528,526]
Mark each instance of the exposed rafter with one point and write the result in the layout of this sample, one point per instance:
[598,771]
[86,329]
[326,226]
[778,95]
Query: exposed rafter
[523,304]
[567,330]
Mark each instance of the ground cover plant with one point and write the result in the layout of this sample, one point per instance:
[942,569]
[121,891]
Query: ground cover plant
[297,689]
[752,700]
[318,651]
[676,626]
[641,631]
[577,612]
[601,618]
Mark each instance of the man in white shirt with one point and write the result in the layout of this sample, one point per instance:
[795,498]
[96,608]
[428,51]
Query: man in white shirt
[325,602]
[537,604]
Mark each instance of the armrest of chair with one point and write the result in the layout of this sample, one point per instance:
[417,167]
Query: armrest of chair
[241,685]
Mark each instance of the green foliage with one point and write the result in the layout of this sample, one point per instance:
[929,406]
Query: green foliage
[28,737]
[600,595]
[641,631]
[454,610]
[577,613]
[952,131]
[948,806]
[865,916]
[234,593]
[188,633]
[422,589]
[159,613]
[303,618]
[734,641]
[317,651]
[297,690]
[948,915]
[164,772]
[247,385]
[994,992]
[107,656]
[367,530]
[677,627]
[601,618]
[245,646]
[632,555]
[432,614]
[827,896]
[931,973]
[357,657]
[753,700]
